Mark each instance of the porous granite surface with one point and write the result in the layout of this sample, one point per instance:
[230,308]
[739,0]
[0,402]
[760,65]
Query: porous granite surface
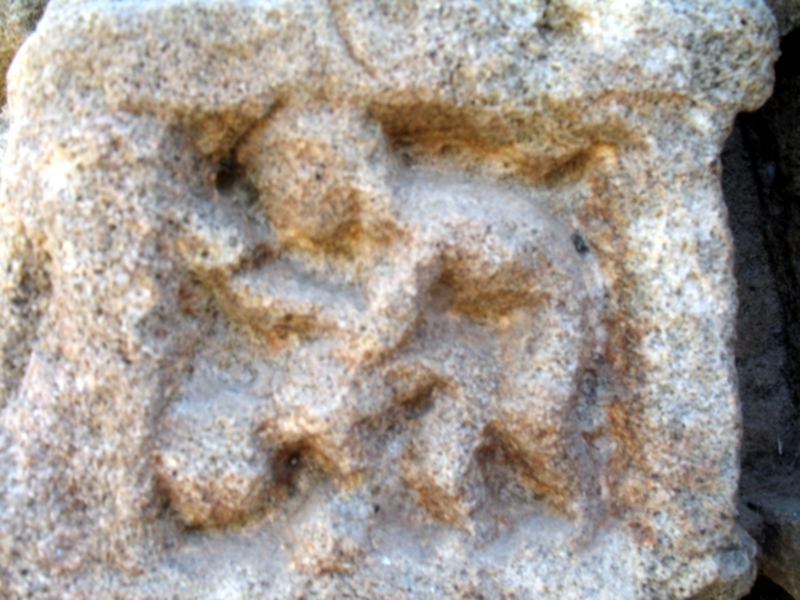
[373,299]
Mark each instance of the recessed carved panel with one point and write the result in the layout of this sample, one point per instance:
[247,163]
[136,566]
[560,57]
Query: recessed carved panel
[445,321]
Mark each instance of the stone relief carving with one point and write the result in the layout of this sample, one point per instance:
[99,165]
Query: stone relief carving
[446,322]
[371,300]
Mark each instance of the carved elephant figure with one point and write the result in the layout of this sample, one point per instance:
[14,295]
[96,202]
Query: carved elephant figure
[382,293]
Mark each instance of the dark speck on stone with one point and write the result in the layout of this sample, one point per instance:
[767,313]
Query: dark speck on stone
[580,244]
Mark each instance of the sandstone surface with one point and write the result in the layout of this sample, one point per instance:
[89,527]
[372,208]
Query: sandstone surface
[373,299]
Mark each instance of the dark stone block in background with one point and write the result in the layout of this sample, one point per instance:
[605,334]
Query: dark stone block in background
[766,589]
[761,182]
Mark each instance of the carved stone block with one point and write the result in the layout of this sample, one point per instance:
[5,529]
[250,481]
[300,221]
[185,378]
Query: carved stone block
[373,299]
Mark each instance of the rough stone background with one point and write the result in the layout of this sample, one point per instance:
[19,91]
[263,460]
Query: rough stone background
[761,180]
[787,13]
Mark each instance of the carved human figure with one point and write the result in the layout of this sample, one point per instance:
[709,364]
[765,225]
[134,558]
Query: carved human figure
[381,288]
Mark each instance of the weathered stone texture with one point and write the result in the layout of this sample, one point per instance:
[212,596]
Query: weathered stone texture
[373,299]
